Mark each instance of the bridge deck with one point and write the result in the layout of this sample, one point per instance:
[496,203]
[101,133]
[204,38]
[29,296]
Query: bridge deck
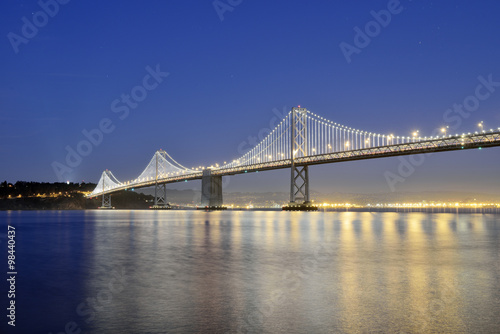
[450,143]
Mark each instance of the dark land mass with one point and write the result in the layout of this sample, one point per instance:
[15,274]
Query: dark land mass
[63,196]
[69,202]
[120,200]
[23,188]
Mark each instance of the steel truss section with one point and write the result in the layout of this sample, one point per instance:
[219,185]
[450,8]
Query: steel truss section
[161,195]
[300,184]
[160,189]
[299,179]
[106,201]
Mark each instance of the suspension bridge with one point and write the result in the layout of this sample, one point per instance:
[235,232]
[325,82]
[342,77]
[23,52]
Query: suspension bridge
[301,139]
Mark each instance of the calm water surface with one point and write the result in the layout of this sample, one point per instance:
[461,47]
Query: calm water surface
[258,272]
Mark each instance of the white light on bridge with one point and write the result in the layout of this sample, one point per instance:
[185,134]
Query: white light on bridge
[444,130]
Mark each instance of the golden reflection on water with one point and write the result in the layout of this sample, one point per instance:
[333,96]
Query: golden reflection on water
[347,271]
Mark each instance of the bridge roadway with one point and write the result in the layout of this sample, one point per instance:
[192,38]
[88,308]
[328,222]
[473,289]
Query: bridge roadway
[450,143]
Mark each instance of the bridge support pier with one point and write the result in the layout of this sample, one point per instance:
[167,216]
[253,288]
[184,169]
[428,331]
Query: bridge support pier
[211,191]
[106,202]
[161,197]
[299,190]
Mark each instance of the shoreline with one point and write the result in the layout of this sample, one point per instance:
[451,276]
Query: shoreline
[371,210]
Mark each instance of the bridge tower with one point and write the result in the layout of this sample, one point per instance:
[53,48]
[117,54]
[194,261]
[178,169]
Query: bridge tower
[299,180]
[106,198]
[160,189]
[211,191]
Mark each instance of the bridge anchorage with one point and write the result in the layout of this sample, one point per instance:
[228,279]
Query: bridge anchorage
[300,140]
[211,191]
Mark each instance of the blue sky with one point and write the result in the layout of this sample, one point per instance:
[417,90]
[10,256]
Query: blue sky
[225,78]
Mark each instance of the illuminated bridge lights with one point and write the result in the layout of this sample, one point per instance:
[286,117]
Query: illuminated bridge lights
[316,140]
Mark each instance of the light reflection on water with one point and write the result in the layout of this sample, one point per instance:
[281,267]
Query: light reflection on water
[311,272]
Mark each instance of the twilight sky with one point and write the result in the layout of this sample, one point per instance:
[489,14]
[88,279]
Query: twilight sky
[205,79]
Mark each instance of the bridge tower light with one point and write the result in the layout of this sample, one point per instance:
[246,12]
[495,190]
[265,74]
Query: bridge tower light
[481,125]
[444,130]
